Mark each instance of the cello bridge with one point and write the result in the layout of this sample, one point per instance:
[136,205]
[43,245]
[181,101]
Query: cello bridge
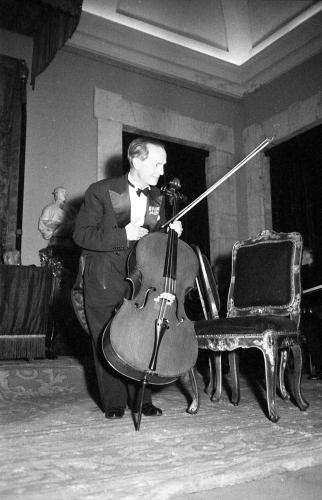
[169,297]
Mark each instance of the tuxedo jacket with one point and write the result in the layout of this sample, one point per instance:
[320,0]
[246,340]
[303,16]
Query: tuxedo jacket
[107,210]
[100,228]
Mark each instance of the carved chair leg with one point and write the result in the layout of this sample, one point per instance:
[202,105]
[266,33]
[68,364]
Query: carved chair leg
[218,374]
[233,357]
[270,358]
[194,406]
[281,375]
[210,386]
[297,356]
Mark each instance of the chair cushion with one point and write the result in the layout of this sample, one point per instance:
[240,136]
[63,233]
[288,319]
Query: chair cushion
[262,274]
[245,325]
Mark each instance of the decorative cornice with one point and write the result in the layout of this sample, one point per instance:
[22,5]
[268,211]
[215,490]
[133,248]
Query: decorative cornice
[125,46]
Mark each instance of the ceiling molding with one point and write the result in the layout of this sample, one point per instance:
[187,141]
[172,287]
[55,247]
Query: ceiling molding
[186,64]
[139,50]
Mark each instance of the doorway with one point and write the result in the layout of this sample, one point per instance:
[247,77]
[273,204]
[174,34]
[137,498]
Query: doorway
[296,190]
[187,164]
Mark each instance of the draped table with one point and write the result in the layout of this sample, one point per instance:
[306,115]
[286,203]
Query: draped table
[25,293]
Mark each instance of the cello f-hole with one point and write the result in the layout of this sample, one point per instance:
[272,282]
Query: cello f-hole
[151,289]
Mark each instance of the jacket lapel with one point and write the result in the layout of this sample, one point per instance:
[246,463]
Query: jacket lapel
[120,198]
[119,194]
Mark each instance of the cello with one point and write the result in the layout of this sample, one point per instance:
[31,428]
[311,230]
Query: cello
[150,339]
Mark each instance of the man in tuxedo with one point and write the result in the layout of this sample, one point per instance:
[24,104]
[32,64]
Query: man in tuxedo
[116,213]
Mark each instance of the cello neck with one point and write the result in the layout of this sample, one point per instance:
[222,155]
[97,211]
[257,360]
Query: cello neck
[170,264]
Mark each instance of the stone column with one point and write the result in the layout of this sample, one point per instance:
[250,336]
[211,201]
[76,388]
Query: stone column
[108,109]
[221,204]
[258,183]
[109,148]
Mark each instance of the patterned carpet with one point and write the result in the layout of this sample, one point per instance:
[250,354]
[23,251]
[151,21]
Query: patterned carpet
[57,445]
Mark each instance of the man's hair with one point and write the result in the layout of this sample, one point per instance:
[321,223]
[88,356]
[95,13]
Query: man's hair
[139,148]
[307,252]
[59,188]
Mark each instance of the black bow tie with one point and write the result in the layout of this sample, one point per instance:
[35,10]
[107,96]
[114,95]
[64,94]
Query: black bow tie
[138,191]
[144,191]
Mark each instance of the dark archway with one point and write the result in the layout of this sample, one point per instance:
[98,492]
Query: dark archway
[296,190]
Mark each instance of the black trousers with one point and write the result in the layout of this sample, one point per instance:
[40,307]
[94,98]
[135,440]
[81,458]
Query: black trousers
[104,289]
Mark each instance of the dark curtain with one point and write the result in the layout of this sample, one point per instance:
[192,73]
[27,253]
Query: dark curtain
[296,190]
[13,77]
[49,22]
[24,311]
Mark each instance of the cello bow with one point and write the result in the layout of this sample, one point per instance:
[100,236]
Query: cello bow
[247,158]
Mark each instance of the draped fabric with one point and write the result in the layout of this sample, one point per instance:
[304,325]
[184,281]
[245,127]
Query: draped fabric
[24,311]
[58,21]
[13,77]
[49,22]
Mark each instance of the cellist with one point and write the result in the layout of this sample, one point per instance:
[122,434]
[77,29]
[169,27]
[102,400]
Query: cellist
[116,213]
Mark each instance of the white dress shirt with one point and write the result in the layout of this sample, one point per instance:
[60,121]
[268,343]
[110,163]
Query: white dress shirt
[138,203]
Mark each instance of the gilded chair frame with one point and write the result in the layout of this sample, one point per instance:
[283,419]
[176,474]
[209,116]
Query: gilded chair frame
[272,326]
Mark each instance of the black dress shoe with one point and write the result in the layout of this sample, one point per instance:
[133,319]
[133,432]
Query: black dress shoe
[114,413]
[149,410]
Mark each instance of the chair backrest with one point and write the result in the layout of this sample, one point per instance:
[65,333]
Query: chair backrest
[265,278]
[207,286]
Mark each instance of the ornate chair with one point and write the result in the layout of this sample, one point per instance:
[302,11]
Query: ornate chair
[263,311]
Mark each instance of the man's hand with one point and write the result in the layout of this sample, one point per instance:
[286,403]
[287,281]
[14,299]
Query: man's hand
[134,232]
[177,227]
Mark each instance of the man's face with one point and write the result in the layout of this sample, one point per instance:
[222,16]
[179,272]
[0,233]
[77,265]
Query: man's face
[148,171]
[60,195]
[307,258]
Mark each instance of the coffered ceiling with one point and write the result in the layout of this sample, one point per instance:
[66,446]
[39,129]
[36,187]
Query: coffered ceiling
[220,46]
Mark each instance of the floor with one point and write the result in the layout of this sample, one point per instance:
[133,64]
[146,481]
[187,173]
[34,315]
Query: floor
[305,484]
[48,402]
